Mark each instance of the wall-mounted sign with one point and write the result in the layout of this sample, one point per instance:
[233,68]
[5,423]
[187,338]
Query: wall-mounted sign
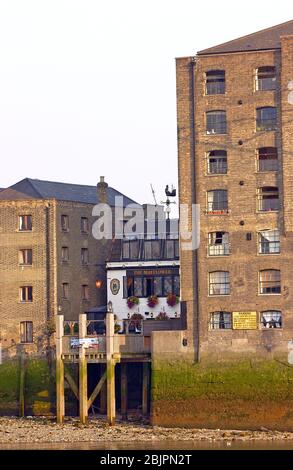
[115,286]
[87,342]
[245,321]
[153,272]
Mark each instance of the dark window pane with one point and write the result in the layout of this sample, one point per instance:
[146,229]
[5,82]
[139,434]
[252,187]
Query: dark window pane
[217,162]
[215,82]
[216,122]
[266,119]
[266,78]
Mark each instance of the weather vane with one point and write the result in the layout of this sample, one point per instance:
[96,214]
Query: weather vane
[169,193]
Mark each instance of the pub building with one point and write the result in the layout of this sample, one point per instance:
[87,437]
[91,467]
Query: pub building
[143,277]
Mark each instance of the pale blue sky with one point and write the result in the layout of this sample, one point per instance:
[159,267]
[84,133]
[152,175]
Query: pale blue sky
[87,88]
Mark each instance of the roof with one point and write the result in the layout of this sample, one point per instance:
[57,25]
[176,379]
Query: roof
[37,189]
[265,39]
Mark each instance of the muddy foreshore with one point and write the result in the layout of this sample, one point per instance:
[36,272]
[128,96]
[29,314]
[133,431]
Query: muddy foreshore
[46,430]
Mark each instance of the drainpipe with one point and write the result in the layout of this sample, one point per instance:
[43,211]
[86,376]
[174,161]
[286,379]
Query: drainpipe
[194,199]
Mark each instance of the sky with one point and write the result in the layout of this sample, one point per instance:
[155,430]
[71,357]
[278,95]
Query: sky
[87,88]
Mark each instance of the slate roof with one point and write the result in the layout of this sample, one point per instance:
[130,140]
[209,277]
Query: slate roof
[37,189]
[262,40]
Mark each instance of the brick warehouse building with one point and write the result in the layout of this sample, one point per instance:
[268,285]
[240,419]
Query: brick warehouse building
[235,127]
[230,368]
[49,259]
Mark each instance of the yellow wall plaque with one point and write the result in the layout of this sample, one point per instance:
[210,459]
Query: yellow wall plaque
[245,321]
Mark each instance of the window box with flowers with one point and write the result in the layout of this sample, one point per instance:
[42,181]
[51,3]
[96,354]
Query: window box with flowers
[132,301]
[172,300]
[153,300]
[162,316]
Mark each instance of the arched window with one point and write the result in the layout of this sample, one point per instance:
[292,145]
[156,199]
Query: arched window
[215,82]
[268,198]
[267,159]
[219,283]
[216,122]
[266,78]
[269,242]
[217,200]
[266,118]
[217,162]
[270,281]
[219,243]
[271,319]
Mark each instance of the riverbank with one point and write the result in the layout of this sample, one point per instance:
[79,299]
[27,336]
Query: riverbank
[14,431]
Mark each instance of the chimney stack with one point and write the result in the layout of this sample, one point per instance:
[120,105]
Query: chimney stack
[102,189]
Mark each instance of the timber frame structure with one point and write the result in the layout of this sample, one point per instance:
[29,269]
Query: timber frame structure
[108,349]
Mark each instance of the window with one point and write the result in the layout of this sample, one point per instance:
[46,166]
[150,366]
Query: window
[130,249]
[26,332]
[84,225]
[176,288]
[215,82]
[271,319]
[217,162]
[168,287]
[143,286]
[270,281]
[218,201]
[216,122]
[152,249]
[219,244]
[267,159]
[221,321]
[64,254]
[266,119]
[268,199]
[64,223]
[26,294]
[138,287]
[158,286]
[84,256]
[25,223]
[65,290]
[269,242]
[219,283]
[85,292]
[266,78]
[25,257]
[171,249]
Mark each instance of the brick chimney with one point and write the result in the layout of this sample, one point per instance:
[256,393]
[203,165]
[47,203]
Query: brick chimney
[102,189]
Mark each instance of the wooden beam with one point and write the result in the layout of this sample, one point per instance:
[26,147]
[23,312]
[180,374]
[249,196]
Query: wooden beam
[83,399]
[97,389]
[60,399]
[22,366]
[145,388]
[72,384]
[111,405]
[124,390]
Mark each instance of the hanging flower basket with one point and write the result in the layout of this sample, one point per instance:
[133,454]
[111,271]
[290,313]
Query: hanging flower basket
[153,301]
[132,301]
[172,300]
[162,316]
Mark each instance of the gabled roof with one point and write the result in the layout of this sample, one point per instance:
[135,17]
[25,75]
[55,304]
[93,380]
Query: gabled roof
[262,40]
[36,189]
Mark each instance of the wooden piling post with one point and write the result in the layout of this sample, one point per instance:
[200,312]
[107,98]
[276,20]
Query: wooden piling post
[83,398]
[21,383]
[145,388]
[111,408]
[124,390]
[103,396]
[60,405]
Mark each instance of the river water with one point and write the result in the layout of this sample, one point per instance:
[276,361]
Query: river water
[153,445]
